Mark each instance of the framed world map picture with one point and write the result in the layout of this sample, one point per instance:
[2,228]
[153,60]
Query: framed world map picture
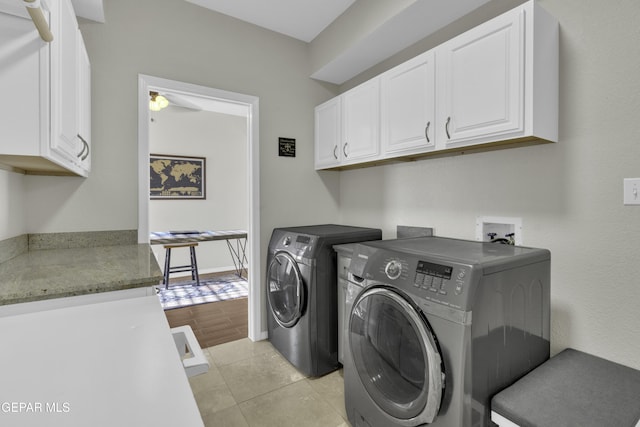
[177,177]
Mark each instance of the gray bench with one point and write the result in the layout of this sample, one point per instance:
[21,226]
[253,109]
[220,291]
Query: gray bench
[572,389]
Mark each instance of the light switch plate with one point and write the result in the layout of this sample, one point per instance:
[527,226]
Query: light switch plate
[631,191]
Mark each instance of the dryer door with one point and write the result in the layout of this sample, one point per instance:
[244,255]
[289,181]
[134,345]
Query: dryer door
[285,289]
[396,356]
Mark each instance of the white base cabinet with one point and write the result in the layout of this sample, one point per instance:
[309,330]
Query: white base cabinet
[496,84]
[46,126]
[107,364]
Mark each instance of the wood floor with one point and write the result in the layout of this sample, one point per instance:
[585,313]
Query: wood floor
[215,322]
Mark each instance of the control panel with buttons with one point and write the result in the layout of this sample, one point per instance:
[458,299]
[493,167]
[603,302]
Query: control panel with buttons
[437,282]
[433,277]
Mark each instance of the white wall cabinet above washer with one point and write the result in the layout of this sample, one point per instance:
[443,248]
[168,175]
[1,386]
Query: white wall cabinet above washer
[328,134]
[44,126]
[499,81]
[84,107]
[347,128]
[408,107]
[494,85]
[361,122]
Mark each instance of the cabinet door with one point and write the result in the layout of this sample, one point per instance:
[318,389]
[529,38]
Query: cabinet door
[361,122]
[84,106]
[481,82]
[408,107]
[64,83]
[328,152]
[24,74]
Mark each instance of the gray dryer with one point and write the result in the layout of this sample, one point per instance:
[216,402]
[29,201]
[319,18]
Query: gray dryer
[439,327]
[302,307]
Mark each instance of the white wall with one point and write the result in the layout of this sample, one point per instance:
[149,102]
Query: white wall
[12,222]
[222,140]
[180,41]
[568,194]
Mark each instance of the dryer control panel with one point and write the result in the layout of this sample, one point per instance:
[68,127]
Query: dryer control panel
[444,273]
[439,278]
[445,283]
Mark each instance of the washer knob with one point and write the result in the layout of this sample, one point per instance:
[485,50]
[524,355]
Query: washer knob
[393,269]
[286,241]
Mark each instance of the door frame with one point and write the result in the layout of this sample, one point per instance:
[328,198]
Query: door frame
[147,83]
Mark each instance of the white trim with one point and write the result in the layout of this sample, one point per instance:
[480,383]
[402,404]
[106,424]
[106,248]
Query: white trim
[502,421]
[228,269]
[147,83]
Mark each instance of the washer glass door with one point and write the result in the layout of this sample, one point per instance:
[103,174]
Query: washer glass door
[285,289]
[396,355]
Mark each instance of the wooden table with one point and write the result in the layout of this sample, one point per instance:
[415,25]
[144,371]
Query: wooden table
[236,242]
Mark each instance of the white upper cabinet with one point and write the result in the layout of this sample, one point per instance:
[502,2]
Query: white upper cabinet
[408,107]
[361,122]
[496,84]
[24,84]
[49,87]
[347,127]
[486,80]
[64,82]
[328,134]
[84,107]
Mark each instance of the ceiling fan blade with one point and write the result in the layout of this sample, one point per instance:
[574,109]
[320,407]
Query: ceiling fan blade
[182,101]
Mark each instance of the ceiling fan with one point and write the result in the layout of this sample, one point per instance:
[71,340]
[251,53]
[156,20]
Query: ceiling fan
[158,101]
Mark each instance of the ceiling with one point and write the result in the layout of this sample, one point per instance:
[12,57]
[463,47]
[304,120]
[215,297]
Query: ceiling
[305,19]
[202,103]
[300,19]
[89,9]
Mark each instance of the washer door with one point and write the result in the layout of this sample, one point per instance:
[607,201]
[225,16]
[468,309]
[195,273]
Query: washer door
[396,355]
[285,289]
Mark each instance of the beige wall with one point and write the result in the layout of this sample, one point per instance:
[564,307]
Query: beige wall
[177,40]
[569,194]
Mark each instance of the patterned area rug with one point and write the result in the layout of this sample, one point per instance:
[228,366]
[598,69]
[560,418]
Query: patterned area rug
[184,294]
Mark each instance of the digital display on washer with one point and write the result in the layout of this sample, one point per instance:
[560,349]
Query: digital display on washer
[437,270]
[303,239]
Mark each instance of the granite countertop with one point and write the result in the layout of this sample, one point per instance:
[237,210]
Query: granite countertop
[56,273]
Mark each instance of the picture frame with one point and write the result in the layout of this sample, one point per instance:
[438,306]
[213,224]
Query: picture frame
[173,177]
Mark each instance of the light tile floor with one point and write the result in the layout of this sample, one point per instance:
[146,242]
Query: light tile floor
[249,384]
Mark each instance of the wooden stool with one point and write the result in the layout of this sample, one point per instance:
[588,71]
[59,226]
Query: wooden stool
[193,268]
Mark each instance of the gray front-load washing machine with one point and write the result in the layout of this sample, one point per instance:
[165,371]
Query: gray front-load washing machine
[302,309]
[439,326]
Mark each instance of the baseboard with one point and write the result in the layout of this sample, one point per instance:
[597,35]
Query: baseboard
[216,270]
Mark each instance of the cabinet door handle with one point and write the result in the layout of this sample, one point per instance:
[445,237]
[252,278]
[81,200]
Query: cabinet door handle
[335,151]
[446,127]
[85,144]
[87,154]
[344,149]
[426,131]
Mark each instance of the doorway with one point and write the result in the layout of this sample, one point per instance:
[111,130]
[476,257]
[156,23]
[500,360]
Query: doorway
[231,100]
